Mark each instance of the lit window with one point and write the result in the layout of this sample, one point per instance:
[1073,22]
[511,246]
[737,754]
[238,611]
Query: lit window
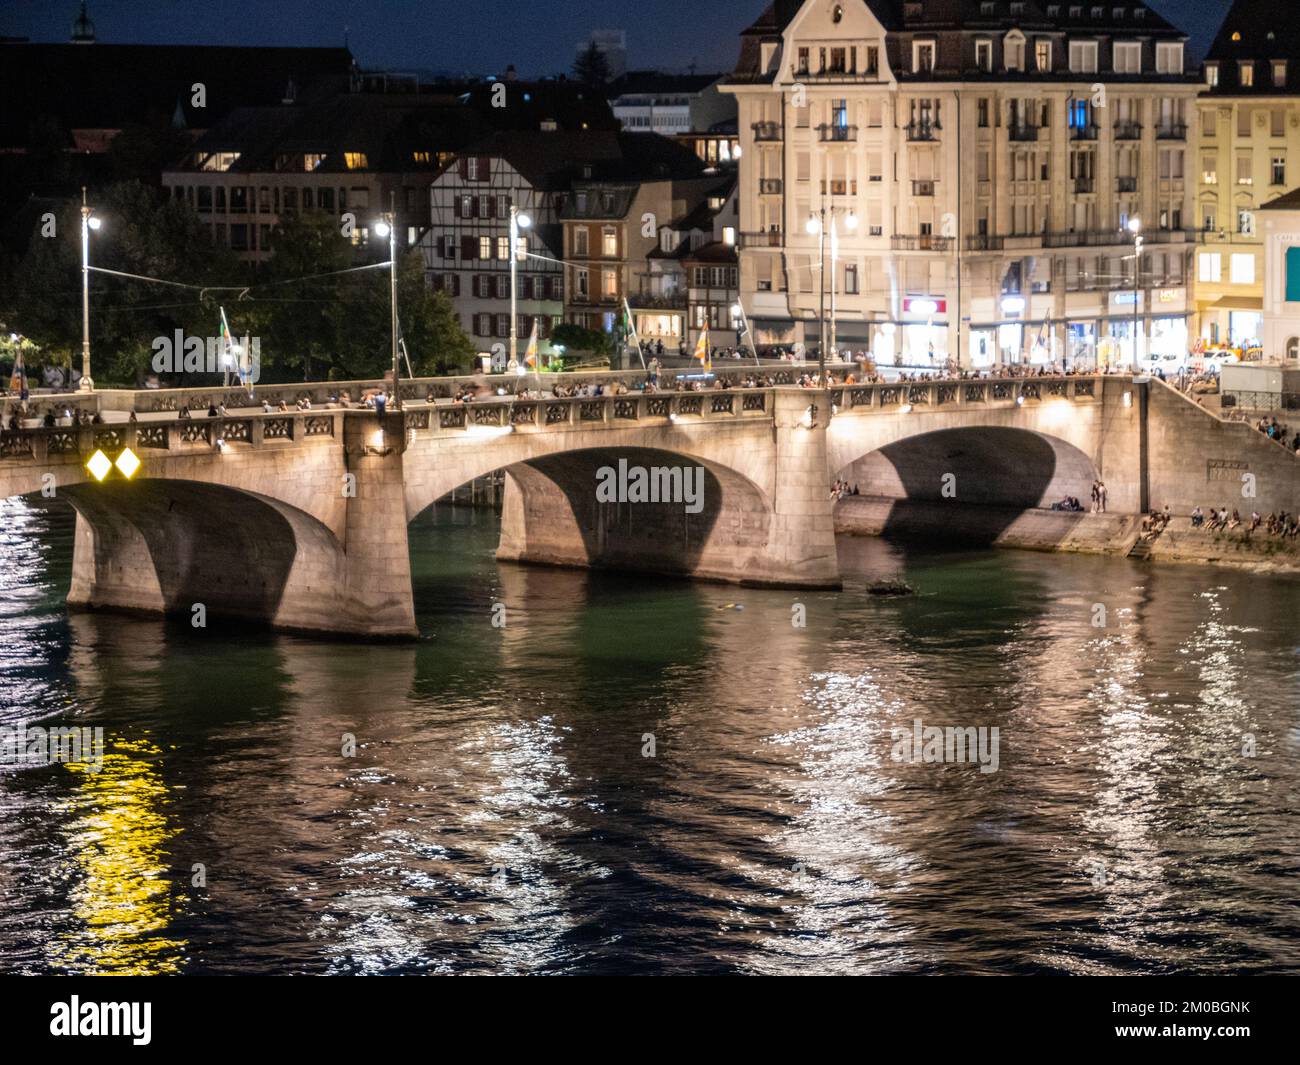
[355,160]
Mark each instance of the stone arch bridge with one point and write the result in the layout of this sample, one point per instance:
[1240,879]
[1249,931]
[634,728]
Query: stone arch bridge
[299,519]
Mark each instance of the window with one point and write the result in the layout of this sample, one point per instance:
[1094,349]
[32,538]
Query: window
[873,59]
[984,55]
[1293,275]
[1169,57]
[801,62]
[609,284]
[503,248]
[922,57]
[1242,269]
[1278,170]
[485,247]
[580,241]
[580,276]
[982,112]
[1209,170]
[1279,73]
[609,242]
[1043,56]
[1083,57]
[1246,222]
[1245,175]
[1246,73]
[1212,75]
[1209,267]
[355,160]
[1128,57]
[311,161]
[850,279]
[1013,52]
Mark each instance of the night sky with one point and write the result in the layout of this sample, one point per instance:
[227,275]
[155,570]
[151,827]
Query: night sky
[455,36]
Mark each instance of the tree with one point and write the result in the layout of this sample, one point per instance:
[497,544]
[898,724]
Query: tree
[339,326]
[143,234]
[577,338]
[591,67]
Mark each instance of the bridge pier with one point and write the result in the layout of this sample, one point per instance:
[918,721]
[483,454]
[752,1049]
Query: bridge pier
[780,534]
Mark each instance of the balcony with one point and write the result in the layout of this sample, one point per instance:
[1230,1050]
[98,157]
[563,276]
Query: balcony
[770,238]
[1126,184]
[1083,133]
[1100,238]
[984,242]
[922,242]
[1084,184]
[1022,133]
[922,188]
[1171,131]
[835,132]
[768,131]
[662,301]
[769,186]
[923,131]
[1128,131]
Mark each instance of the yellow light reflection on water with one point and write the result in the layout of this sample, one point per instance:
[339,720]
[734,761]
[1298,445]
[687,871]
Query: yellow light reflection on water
[116,831]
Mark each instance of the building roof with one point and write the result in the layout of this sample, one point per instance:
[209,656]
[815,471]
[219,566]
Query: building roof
[110,86]
[903,20]
[1288,202]
[653,83]
[387,129]
[1252,31]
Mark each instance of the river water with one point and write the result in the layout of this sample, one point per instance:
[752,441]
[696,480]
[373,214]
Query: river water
[641,776]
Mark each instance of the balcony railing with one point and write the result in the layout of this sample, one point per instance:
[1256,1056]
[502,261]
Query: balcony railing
[767,131]
[769,186]
[1126,184]
[984,242]
[922,242]
[1022,133]
[922,188]
[1115,237]
[923,131]
[1171,131]
[763,238]
[1083,133]
[833,132]
[1128,131]
[1084,184]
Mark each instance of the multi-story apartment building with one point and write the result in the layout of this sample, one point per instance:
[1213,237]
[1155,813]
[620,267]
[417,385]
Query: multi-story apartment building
[691,278]
[351,154]
[467,246]
[980,162]
[1248,154]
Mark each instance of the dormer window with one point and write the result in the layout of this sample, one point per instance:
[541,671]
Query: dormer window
[1169,57]
[1013,51]
[837,14]
[988,9]
[984,55]
[1246,73]
[1279,73]
[1128,57]
[1212,74]
[1043,55]
[923,57]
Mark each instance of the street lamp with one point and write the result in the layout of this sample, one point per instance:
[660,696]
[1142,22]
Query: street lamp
[387,227]
[88,222]
[1135,227]
[518,221]
[817,225]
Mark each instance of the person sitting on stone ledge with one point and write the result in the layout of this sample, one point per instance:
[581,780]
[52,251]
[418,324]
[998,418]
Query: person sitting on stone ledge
[184,413]
[1235,523]
[1254,522]
[212,410]
[1198,517]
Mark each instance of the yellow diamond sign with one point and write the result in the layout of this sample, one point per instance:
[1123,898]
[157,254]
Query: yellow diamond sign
[127,463]
[99,465]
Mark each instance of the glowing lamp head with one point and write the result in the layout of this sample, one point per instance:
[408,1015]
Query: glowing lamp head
[99,464]
[127,463]
[1135,225]
[93,222]
[523,221]
[382,228]
[813,226]
[851,222]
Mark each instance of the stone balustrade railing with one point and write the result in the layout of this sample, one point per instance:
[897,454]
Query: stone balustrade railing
[964,392]
[551,412]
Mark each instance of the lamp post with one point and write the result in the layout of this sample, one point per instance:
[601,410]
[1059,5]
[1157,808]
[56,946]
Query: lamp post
[88,222]
[518,221]
[387,227]
[1135,227]
[817,223]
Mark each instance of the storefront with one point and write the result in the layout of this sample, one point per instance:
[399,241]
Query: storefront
[1080,344]
[1245,328]
[924,332]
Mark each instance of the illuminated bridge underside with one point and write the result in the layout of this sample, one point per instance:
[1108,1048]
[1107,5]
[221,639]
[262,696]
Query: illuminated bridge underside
[299,519]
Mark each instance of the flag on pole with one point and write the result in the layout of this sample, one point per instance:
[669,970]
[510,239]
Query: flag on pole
[530,355]
[703,350]
[18,380]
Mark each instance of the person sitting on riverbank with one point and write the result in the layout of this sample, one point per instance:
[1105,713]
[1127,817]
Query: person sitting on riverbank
[1254,522]
[1235,523]
[1198,517]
